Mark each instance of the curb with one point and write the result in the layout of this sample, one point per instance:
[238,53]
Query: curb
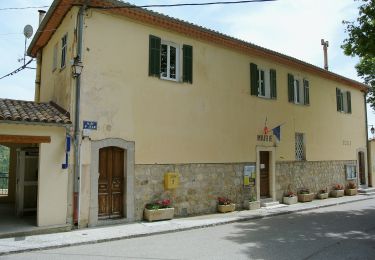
[152,233]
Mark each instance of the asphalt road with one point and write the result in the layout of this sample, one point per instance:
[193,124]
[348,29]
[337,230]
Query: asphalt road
[339,232]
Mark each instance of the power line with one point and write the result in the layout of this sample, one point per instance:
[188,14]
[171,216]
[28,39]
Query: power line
[149,6]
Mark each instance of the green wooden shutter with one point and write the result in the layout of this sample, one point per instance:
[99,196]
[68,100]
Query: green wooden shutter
[290,88]
[306,92]
[338,99]
[254,79]
[154,56]
[273,83]
[187,64]
[349,102]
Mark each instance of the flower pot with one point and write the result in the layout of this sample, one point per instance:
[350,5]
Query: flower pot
[158,214]
[251,205]
[337,193]
[226,208]
[351,192]
[306,197]
[323,196]
[290,200]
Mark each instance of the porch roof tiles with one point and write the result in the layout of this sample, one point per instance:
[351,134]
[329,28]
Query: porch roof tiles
[29,111]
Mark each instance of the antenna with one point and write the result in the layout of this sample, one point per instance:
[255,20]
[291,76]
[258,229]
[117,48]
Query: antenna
[28,32]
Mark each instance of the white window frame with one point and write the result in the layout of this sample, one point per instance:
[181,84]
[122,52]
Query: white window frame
[64,48]
[344,101]
[299,93]
[267,83]
[54,58]
[178,61]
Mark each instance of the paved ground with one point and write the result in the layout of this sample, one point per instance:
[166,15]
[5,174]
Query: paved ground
[95,235]
[341,232]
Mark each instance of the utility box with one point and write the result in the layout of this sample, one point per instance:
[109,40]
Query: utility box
[171,180]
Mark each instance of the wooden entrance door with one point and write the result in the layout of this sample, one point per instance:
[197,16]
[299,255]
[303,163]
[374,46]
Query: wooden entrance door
[111,182]
[361,168]
[264,174]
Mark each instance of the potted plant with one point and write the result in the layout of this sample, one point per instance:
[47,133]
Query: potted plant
[225,205]
[252,203]
[351,189]
[158,210]
[290,198]
[323,194]
[338,191]
[304,195]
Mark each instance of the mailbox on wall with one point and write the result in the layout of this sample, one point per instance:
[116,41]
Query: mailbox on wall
[171,180]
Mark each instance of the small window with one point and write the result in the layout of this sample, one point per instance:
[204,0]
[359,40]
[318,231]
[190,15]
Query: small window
[54,61]
[351,173]
[262,82]
[63,50]
[300,146]
[343,101]
[298,90]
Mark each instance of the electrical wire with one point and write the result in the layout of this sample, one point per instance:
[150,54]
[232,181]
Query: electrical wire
[149,6]
[18,70]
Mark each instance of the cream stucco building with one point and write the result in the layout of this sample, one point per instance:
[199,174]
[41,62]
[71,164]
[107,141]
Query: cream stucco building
[161,95]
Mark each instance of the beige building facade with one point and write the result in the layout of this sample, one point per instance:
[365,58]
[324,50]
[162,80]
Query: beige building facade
[168,96]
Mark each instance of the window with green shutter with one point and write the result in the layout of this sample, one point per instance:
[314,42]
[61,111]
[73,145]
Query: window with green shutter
[154,56]
[273,83]
[349,102]
[306,92]
[290,88]
[343,101]
[338,99]
[187,63]
[262,82]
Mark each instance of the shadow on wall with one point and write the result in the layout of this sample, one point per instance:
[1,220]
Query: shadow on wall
[310,235]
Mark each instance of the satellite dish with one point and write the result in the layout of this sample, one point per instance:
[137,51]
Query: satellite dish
[28,31]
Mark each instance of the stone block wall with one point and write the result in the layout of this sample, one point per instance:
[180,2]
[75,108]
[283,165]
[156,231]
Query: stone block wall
[200,186]
[313,175]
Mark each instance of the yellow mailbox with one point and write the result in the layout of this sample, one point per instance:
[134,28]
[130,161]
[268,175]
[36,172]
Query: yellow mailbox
[171,180]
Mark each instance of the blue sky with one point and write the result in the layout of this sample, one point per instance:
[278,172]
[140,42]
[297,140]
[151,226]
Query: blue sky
[292,27]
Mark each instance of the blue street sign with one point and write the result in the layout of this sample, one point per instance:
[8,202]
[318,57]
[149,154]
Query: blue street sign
[91,125]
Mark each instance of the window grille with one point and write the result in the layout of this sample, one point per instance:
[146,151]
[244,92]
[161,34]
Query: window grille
[300,147]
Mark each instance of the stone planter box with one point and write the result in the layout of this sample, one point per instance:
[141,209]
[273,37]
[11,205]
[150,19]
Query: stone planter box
[306,197]
[158,214]
[323,196]
[226,208]
[351,192]
[337,193]
[290,200]
[251,205]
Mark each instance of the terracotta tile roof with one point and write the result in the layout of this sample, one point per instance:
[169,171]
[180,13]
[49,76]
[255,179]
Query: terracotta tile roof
[28,111]
[59,8]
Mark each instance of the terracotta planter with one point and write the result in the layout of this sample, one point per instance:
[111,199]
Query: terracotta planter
[351,192]
[323,196]
[158,214]
[337,193]
[290,200]
[226,208]
[251,205]
[306,197]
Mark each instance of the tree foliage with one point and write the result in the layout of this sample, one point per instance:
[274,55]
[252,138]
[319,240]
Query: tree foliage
[361,43]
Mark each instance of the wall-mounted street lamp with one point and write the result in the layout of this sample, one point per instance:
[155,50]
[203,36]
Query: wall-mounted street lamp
[77,67]
[372,129]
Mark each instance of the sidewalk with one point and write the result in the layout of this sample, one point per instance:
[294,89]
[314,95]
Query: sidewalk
[108,233]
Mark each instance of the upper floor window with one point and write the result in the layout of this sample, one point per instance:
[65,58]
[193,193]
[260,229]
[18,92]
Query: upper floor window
[54,61]
[165,62]
[343,101]
[63,50]
[262,82]
[298,90]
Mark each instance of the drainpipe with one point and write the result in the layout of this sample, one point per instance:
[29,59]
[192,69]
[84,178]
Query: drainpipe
[367,143]
[38,64]
[77,136]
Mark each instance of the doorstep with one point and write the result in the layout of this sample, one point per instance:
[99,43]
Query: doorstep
[33,230]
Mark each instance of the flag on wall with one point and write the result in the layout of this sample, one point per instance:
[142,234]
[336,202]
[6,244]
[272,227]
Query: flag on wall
[277,132]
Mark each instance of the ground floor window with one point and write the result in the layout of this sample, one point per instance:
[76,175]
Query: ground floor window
[300,147]
[4,170]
